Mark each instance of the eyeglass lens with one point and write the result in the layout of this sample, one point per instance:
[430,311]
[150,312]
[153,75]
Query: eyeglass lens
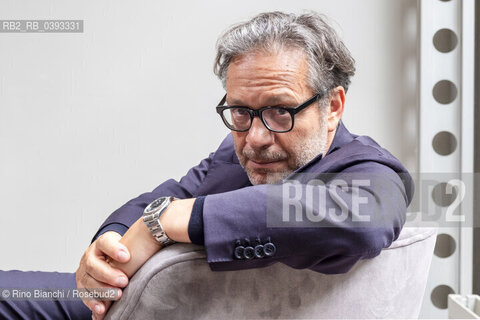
[277,119]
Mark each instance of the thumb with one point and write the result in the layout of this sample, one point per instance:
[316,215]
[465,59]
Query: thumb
[109,244]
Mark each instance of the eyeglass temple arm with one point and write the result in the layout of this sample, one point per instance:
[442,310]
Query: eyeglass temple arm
[223,100]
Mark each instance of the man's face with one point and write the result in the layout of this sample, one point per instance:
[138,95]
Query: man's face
[257,80]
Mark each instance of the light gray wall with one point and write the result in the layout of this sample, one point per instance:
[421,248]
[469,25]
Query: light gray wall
[88,121]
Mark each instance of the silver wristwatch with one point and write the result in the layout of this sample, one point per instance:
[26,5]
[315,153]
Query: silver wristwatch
[151,217]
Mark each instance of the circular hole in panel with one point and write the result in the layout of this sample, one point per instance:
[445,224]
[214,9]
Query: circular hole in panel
[444,0]
[444,143]
[445,245]
[445,40]
[444,194]
[445,91]
[439,296]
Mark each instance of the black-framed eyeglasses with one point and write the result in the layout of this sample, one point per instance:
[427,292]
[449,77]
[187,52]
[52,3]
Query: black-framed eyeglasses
[276,119]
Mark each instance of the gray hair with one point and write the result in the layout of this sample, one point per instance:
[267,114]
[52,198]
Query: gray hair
[330,62]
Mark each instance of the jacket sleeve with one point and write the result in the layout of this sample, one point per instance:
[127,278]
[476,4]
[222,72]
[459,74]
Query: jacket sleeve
[121,219]
[320,225]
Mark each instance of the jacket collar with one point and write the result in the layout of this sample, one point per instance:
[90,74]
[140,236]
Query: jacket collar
[341,138]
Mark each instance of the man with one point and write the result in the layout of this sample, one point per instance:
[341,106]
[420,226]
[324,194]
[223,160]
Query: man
[285,78]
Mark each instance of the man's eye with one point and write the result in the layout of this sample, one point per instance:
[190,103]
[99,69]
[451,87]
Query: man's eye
[280,111]
[239,112]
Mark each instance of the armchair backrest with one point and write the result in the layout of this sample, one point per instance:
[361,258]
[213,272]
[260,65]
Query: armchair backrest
[177,283]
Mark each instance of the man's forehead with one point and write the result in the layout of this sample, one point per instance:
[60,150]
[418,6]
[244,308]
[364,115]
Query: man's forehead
[268,78]
[284,59]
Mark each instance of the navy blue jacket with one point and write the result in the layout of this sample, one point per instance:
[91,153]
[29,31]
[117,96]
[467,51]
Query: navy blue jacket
[236,213]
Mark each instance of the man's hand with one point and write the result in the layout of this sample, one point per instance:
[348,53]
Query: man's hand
[142,245]
[95,272]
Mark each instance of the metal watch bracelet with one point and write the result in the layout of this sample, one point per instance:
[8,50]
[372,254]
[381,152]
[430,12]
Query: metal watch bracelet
[151,218]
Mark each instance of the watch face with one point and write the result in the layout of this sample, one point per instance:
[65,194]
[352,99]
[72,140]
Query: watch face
[156,204]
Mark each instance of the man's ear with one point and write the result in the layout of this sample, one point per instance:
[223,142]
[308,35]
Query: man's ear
[337,104]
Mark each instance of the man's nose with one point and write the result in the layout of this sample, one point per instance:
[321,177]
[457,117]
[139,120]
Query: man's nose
[259,137]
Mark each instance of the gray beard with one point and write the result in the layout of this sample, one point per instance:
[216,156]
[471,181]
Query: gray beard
[304,152]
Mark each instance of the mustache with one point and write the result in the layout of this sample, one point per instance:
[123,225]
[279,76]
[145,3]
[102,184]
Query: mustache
[264,155]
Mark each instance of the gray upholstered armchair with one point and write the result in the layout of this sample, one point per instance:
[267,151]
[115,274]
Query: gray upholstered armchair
[177,283]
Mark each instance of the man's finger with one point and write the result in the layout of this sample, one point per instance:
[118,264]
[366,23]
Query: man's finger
[86,281]
[99,308]
[101,316]
[109,244]
[98,270]
[95,306]
[103,291]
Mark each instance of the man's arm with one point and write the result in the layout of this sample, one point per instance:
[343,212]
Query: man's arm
[332,245]
[143,245]
[94,270]
[369,204]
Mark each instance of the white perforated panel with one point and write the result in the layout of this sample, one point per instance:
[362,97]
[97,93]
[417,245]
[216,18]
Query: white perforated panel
[449,110]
